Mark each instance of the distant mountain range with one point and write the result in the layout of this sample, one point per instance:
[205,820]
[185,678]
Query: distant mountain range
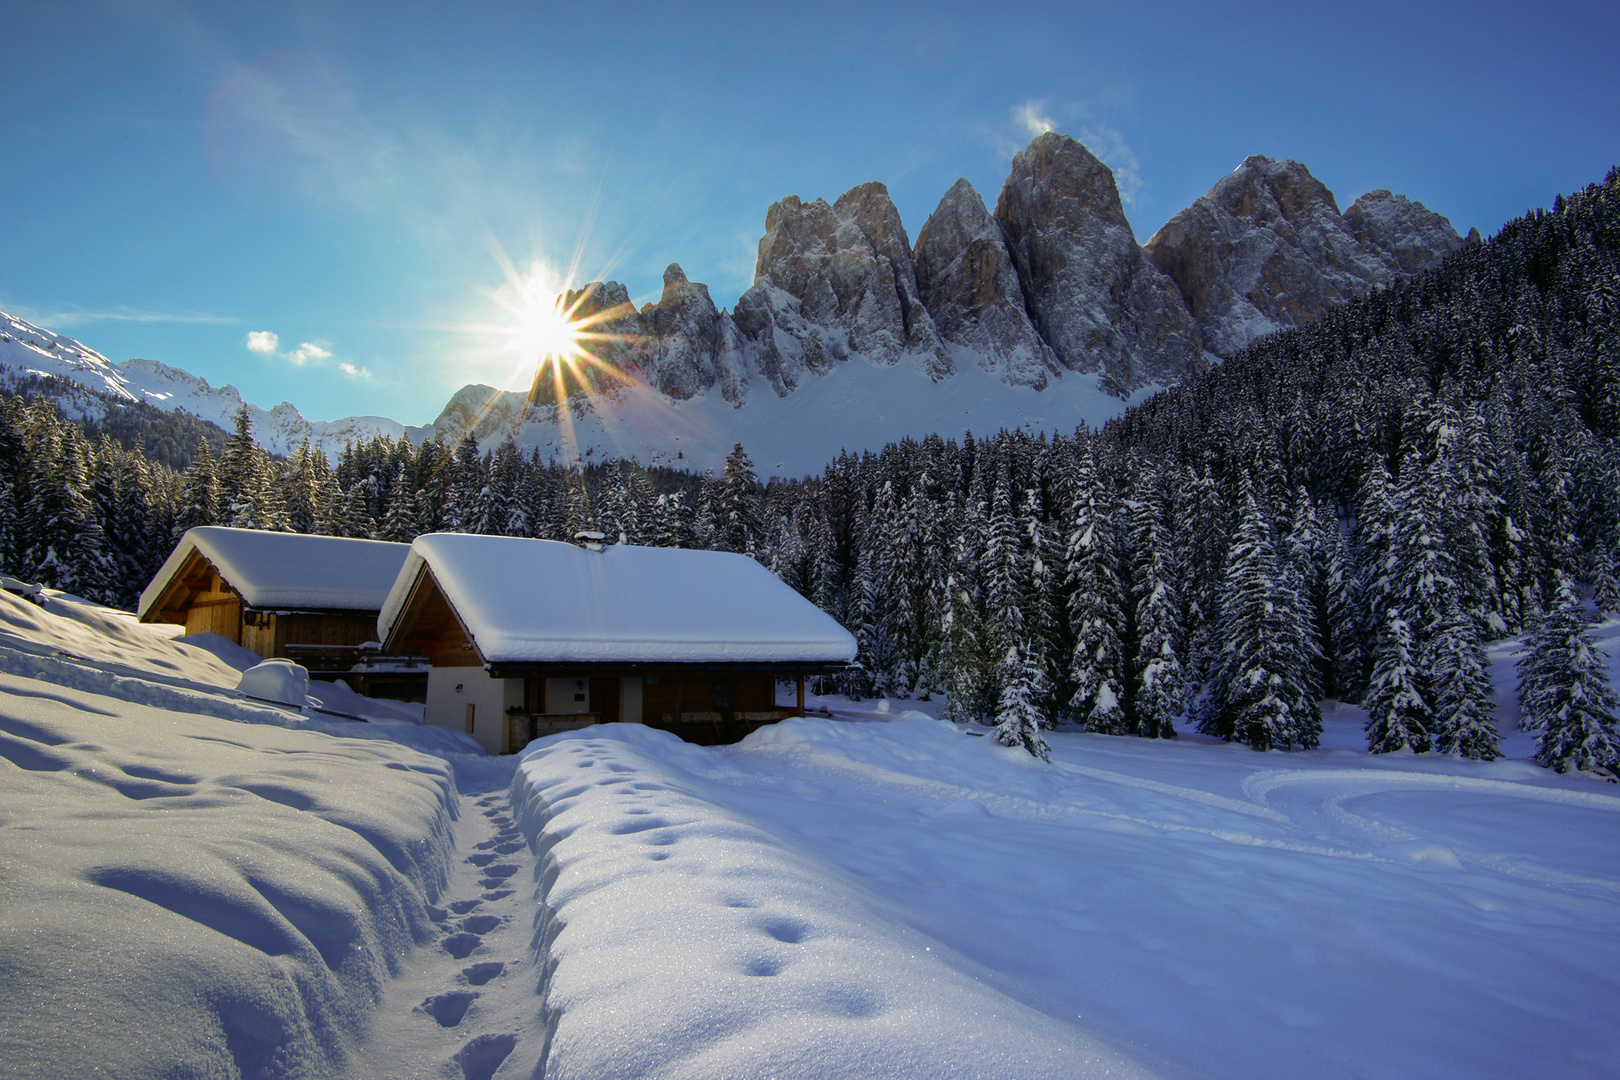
[1042,314]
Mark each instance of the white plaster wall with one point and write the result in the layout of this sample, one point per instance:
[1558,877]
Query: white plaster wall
[630,700]
[568,695]
[451,689]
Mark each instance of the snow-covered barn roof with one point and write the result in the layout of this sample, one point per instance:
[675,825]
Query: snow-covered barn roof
[287,570]
[544,602]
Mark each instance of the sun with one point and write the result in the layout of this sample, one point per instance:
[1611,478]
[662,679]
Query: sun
[543,327]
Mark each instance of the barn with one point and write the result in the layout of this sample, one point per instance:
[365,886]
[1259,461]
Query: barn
[531,637]
[310,599]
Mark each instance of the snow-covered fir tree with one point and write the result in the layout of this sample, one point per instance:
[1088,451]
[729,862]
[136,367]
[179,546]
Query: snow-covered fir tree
[1565,695]
[1260,692]
[1018,713]
[1398,712]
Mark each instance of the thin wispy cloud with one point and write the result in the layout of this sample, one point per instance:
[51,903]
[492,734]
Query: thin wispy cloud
[354,372]
[1031,117]
[1112,150]
[64,318]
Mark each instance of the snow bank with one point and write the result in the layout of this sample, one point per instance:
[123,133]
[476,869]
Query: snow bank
[189,896]
[66,626]
[76,644]
[685,940]
[540,600]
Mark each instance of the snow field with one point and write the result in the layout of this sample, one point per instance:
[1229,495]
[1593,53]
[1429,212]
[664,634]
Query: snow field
[685,939]
[187,896]
[899,898]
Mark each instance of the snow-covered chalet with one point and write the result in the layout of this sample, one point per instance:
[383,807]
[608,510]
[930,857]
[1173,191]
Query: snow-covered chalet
[530,637]
[310,599]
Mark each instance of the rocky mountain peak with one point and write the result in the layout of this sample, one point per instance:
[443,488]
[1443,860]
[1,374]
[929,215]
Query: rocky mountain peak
[1407,235]
[967,281]
[1090,291]
[684,327]
[846,287]
[1267,248]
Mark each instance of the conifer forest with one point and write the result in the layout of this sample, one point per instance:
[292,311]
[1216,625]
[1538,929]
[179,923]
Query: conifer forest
[1350,510]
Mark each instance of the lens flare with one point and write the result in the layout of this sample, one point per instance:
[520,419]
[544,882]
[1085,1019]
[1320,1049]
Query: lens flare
[543,328]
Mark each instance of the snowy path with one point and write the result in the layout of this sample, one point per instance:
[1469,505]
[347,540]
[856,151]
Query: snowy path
[468,1002]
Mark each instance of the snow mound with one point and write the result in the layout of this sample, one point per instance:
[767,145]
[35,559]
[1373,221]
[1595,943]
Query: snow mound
[223,647]
[189,896]
[684,940]
[57,624]
[279,681]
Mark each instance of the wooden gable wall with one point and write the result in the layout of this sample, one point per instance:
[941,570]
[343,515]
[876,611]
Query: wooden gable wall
[429,627]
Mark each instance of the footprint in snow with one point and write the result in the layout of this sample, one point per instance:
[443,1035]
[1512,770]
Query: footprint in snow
[448,1009]
[481,973]
[482,1056]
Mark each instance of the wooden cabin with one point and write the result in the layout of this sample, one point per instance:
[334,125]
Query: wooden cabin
[531,637]
[310,599]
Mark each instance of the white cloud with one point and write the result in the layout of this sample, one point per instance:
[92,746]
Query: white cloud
[1031,116]
[354,372]
[309,350]
[268,343]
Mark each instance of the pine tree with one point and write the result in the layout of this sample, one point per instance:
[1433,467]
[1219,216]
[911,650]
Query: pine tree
[669,521]
[1159,683]
[1346,620]
[399,522]
[200,496]
[1259,694]
[1565,693]
[1097,667]
[1462,692]
[243,479]
[1398,714]
[467,477]
[1018,714]
[739,524]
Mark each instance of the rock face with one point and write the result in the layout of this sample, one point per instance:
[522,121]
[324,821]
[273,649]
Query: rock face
[684,328]
[1267,249]
[1407,236]
[1090,291]
[832,281]
[1054,281]
[968,283]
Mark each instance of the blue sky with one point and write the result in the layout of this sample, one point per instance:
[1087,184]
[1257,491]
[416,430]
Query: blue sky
[320,202]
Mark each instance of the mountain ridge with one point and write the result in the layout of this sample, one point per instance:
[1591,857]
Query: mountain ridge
[1044,314]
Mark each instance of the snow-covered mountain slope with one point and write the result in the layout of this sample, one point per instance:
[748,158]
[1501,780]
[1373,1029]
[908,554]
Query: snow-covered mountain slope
[857,406]
[26,349]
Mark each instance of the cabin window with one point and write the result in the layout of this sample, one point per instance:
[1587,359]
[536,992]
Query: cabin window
[720,697]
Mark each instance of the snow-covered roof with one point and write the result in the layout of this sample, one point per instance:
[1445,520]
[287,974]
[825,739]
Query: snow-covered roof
[288,570]
[540,601]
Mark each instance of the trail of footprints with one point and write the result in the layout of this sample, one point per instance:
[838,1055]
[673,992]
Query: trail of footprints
[466,923]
